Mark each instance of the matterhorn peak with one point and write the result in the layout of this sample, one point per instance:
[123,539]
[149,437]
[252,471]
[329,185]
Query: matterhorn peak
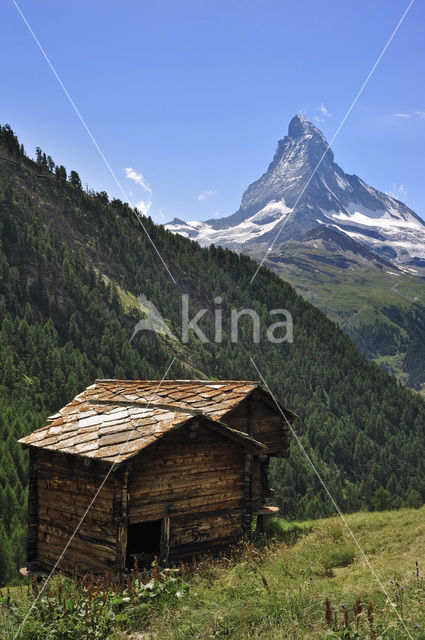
[300,126]
[302,188]
[302,129]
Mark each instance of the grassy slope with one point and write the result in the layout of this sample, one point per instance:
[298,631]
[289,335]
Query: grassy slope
[234,601]
[350,296]
[279,591]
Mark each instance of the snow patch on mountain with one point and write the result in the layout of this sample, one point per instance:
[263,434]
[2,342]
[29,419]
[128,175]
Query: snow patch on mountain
[234,237]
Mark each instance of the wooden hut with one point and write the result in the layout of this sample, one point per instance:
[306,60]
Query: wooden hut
[142,468]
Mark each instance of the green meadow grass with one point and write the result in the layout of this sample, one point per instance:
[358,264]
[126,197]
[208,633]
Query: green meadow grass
[279,591]
[277,587]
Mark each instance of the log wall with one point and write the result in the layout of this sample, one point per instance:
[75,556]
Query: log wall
[263,422]
[65,488]
[195,477]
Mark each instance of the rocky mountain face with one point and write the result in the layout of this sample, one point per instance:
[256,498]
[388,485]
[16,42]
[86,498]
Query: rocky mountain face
[288,201]
[357,253]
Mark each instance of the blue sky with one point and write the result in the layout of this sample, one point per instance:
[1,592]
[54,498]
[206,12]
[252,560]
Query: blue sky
[193,94]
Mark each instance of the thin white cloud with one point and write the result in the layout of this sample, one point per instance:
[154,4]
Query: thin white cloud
[397,192]
[206,194]
[138,178]
[318,119]
[143,207]
[410,114]
[324,111]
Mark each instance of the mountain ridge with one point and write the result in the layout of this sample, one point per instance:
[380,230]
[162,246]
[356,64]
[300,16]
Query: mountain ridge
[303,172]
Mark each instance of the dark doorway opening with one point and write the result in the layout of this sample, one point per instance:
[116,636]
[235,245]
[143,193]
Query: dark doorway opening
[143,543]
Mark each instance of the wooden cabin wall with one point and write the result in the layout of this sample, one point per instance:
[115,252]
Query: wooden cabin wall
[65,488]
[255,417]
[197,478]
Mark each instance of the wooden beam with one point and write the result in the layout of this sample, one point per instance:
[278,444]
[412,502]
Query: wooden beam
[250,416]
[165,541]
[32,508]
[122,515]
[247,512]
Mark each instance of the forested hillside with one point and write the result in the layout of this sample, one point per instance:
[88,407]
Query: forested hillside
[71,267]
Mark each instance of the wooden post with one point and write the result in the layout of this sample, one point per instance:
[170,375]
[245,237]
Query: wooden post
[262,519]
[261,523]
[247,513]
[120,510]
[165,541]
[32,508]
[250,420]
[264,478]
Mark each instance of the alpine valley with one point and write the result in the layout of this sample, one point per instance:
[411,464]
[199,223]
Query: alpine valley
[73,266]
[356,253]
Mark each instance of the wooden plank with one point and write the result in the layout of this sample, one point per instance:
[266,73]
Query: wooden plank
[71,465]
[247,514]
[199,507]
[207,500]
[88,555]
[123,526]
[60,500]
[121,546]
[56,538]
[32,507]
[88,527]
[165,541]
[99,504]
[210,547]
[203,491]
[75,560]
[206,528]
[83,488]
[177,485]
[250,417]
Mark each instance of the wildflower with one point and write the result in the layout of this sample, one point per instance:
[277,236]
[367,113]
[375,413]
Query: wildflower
[328,615]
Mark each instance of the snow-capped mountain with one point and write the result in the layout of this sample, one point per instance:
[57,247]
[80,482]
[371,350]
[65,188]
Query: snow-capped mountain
[331,197]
